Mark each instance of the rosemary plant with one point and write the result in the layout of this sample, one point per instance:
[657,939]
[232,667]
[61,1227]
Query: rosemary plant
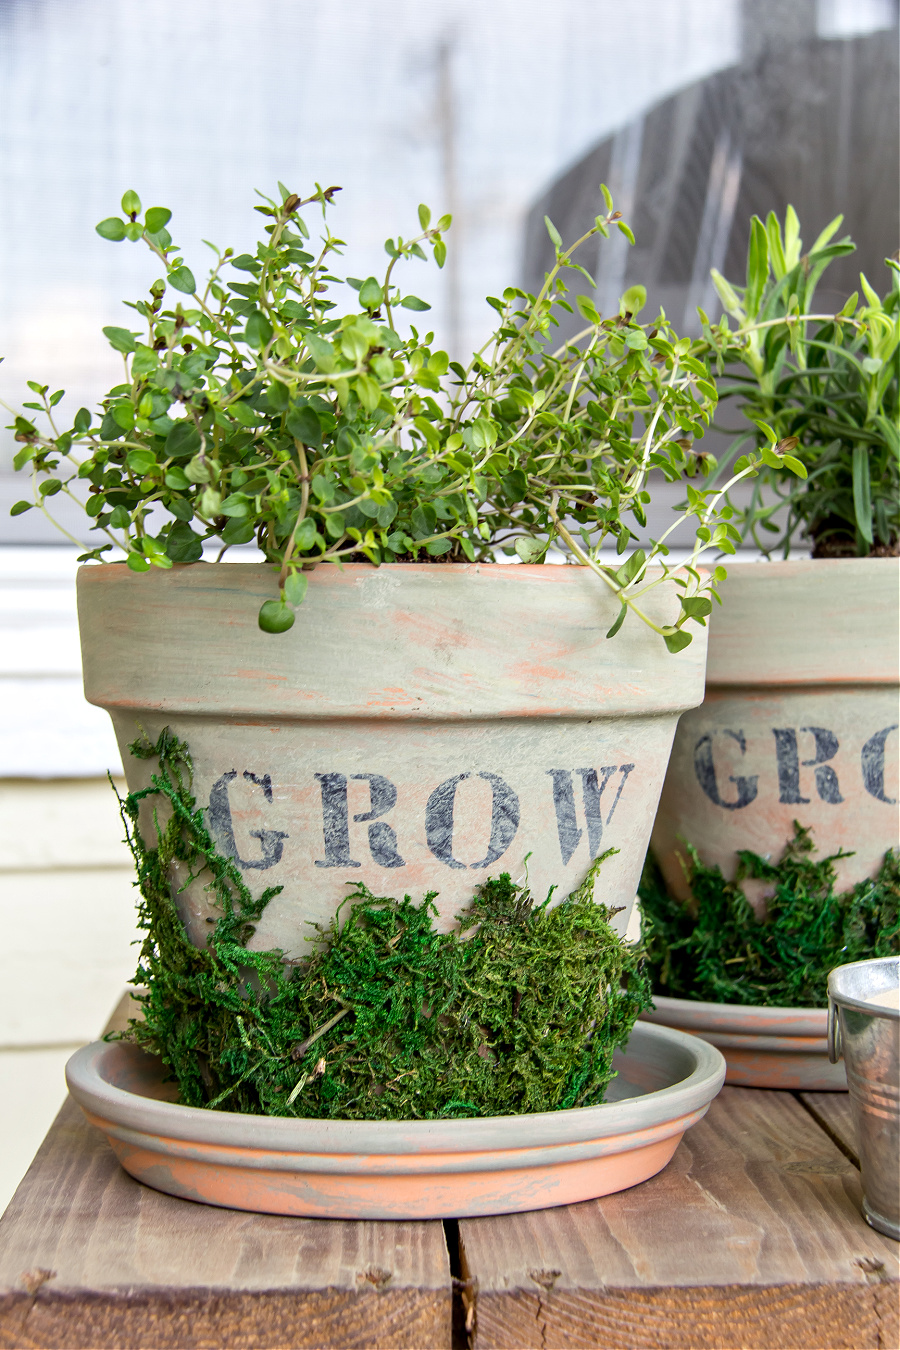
[824,386]
[255,407]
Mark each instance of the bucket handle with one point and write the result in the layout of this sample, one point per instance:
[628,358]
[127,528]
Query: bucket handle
[835,1049]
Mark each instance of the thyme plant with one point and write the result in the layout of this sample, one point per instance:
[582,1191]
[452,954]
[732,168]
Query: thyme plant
[257,407]
[824,386]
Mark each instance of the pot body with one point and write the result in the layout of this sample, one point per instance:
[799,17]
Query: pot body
[420,728]
[799,722]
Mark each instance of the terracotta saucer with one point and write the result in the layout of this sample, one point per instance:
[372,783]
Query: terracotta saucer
[397,1169]
[763,1047]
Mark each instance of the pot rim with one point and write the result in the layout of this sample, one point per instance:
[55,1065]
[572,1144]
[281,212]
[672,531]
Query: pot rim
[94,1092]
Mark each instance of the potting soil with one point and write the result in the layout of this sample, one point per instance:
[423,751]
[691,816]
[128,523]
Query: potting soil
[519,1009]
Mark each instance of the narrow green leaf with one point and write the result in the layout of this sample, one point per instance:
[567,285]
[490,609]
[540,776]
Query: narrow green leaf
[626,230]
[829,231]
[555,236]
[757,267]
[424,216]
[607,197]
[862,492]
[413,302]
[620,619]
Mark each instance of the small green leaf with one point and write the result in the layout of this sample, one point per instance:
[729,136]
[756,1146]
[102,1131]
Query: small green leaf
[259,331]
[587,309]
[626,230]
[177,479]
[137,562]
[794,465]
[275,617]
[182,278]
[696,606]
[371,296]
[304,424]
[141,461]
[120,339]
[131,203]
[413,302]
[182,544]
[633,300]
[238,532]
[677,641]
[607,197]
[555,236]
[20,508]
[530,550]
[156,219]
[440,252]
[112,228]
[82,421]
[295,588]
[620,619]
[182,441]
[424,217]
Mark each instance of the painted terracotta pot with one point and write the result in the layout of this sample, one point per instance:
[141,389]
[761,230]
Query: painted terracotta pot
[419,728]
[800,722]
[763,1047]
[401,1170]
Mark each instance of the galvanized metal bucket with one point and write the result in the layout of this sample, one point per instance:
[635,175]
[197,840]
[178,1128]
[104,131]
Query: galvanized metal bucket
[865,1029]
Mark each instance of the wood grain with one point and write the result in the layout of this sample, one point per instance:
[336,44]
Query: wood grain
[90,1258]
[751,1237]
[833,1112]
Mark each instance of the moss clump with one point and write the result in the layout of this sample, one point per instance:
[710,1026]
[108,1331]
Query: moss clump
[714,948]
[519,1009]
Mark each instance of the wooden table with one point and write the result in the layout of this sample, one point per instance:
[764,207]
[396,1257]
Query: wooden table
[751,1237]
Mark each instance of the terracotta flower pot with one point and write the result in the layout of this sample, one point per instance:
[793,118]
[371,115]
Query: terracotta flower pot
[419,728]
[800,722]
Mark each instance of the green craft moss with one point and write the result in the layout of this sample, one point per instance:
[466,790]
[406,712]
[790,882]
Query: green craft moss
[519,1009]
[714,948]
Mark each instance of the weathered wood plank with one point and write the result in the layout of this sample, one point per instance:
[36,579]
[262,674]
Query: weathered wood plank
[751,1237]
[833,1112]
[90,1258]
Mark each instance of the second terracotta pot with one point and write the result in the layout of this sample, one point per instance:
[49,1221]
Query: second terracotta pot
[799,722]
